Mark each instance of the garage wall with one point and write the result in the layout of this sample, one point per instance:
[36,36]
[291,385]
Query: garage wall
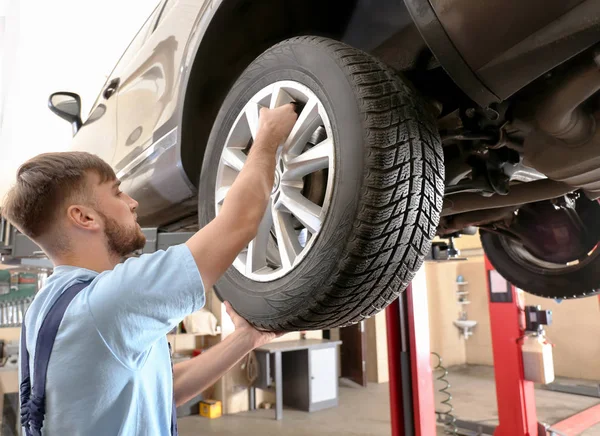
[443,310]
[574,332]
[479,345]
[377,363]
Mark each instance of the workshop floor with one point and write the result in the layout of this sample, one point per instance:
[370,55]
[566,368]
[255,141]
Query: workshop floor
[366,411]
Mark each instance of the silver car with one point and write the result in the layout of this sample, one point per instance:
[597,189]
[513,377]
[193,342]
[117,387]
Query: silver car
[416,118]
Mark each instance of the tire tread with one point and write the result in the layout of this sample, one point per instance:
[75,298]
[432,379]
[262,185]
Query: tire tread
[400,202]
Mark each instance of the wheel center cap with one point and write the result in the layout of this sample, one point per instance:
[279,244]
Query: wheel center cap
[276,182]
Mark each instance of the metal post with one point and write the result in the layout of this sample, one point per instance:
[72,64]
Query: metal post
[395,352]
[420,352]
[411,384]
[278,387]
[515,395]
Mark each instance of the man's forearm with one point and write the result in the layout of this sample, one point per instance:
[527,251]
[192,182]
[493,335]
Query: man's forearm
[249,194]
[195,375]
[216,245]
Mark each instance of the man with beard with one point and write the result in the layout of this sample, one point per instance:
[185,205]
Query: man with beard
[110,371]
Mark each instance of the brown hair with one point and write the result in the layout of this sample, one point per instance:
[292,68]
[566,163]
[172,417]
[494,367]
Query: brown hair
[45,183]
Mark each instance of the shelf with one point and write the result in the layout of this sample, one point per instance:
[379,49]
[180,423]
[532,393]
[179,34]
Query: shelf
[462,293]
[463,302]
[462,283]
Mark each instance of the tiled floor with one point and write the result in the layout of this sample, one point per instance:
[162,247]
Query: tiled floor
[366,411]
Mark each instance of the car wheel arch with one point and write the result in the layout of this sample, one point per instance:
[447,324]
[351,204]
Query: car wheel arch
[201,94]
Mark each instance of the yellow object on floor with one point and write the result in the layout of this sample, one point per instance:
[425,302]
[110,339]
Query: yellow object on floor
[210,409]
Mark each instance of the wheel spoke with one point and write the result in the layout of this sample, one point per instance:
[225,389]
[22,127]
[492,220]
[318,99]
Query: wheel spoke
[289,226]
[221,194]
[287,240]
[308,121]
[252,114]
[315,159]
[280,97]
[307,212]
[257,249]
[234,158]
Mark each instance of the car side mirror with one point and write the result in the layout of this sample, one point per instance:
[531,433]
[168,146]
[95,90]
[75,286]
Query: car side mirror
[67,105]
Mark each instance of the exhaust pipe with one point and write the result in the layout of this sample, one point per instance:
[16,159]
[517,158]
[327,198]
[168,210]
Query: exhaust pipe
[519,194]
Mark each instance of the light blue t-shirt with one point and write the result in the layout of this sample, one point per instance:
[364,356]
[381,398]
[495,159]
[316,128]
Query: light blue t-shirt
[110,368]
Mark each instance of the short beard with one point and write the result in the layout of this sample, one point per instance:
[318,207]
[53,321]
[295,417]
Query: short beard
[122,241]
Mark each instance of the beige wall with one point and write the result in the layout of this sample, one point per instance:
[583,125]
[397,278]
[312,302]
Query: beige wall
[574,332]
[479,345]
[377,363]
[467,242]
[443,310]
[10,333]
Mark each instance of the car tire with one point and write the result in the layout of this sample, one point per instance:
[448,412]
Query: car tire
[543,282]
[387,189]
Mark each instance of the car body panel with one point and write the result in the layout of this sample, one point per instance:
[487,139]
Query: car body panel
[494,48]
[98,135]
[143,146]
[541,51]
[159,182]
[148,158]
[149,82]
[482,30]
[446,53]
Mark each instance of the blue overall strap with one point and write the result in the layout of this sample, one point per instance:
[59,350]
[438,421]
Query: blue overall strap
[33,400]
[25,386]
[174,431]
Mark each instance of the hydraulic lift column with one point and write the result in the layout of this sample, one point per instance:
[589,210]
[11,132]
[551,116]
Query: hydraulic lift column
[515,395]
[412,401]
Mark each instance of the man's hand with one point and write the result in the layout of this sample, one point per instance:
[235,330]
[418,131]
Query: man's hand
[247,199]
[243,327]
[275,125]
[193,376]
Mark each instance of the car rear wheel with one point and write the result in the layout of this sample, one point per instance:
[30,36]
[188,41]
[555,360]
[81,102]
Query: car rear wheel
[551,249]
[358,187]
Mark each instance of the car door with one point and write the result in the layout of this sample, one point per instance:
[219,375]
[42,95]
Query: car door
[149,82]
[98,134]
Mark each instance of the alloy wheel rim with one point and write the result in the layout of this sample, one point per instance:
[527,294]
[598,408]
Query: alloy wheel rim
[303,183]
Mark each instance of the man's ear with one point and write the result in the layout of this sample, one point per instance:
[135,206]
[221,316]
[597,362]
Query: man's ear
[83,217]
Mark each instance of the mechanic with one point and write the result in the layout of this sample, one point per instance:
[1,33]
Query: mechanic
[110,370]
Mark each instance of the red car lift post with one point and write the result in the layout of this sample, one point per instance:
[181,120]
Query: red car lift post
[411,384]
[515,395]
[412,401]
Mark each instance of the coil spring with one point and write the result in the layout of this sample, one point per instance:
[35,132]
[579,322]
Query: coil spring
[445,416]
